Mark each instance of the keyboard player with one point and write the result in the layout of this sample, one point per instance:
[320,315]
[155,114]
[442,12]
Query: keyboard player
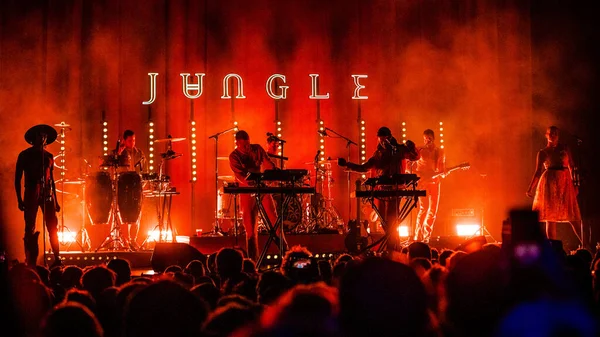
[245,159]
[389,158]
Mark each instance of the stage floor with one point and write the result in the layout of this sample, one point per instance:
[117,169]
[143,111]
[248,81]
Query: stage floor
[318,244]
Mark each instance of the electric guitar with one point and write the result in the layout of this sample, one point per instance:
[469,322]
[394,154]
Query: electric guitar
[461,166]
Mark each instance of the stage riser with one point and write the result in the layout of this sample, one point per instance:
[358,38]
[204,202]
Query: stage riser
[316,243]
[136,259]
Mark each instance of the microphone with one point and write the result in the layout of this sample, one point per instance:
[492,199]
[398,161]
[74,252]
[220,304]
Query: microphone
[117,148]
[272,136]
[323,133]
[390,144]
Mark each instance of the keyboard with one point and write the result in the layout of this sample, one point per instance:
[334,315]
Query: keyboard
[278,175]
[388,193]
[268,190]
[396,179]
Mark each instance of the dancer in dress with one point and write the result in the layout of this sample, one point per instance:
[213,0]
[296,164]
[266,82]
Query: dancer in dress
[555,195]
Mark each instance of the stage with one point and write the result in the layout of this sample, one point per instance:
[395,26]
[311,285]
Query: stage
[322,246]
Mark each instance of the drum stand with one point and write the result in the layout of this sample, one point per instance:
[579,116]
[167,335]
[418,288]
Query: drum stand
[113,240]
[217,231]
[164,200]
[84,241]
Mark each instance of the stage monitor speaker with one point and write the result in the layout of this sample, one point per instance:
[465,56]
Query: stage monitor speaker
[167,254]
[472,244]
[457,243]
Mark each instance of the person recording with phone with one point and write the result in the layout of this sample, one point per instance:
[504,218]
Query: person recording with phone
[390,158]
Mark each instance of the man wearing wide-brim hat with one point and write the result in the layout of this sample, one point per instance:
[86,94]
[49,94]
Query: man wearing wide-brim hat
[36,165]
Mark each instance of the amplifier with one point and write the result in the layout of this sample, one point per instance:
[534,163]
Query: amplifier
[463,212]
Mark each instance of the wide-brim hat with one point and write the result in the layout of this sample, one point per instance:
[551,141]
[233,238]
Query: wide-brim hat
[39,129]
[384,132]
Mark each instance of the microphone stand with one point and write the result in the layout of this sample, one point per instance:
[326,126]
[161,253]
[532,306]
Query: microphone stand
[349,142]
[585,233]
[281,214]
[216,228]
[44,184]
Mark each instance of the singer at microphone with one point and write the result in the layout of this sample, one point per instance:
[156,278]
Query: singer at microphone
[390,158]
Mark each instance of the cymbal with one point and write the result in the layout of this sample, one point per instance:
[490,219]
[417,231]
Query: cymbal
[62,125]
[173,140]
[222,158]
[67,193]
[170,155]
[70,182]
[321,162]
[226,178]
[41,129]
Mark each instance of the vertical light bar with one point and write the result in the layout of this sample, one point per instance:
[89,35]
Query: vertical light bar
[363,143]
[442,135]
[235,125]
[105,137]
[322,143]
[62,151]
[151,146]
[279,135]
[193,156]
[404,132]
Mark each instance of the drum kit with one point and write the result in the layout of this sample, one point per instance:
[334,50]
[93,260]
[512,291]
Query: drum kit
[113,195]
[305,214]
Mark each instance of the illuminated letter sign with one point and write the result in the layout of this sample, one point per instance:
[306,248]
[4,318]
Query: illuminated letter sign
[284,88]
[314,95]
[240,88]
[358,87]
[192,86]
[152,89]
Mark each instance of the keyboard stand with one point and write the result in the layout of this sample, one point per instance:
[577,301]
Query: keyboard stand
[272,229]
[406,205]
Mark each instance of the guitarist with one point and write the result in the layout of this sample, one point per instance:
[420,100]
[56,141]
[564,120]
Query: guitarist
[432,162]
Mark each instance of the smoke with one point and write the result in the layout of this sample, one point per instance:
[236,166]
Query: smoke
[471,66]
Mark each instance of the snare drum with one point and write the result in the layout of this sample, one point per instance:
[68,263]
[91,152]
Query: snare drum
[129,196]
[98,197]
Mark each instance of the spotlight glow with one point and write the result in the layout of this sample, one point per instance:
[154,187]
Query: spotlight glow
[403,231]
[468,229]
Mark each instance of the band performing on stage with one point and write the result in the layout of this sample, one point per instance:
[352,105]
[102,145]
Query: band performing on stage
[267,196]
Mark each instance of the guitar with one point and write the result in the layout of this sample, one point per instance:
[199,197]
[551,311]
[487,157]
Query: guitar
[461,166]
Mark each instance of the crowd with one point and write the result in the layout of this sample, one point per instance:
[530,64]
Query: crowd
[532,289]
